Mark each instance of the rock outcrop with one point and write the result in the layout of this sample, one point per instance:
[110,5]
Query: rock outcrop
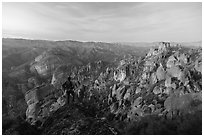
[166,81]
[41,102]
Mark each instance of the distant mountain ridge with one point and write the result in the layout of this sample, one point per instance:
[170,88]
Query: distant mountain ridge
[27,50]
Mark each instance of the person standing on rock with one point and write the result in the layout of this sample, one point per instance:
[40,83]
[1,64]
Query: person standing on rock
[68,89]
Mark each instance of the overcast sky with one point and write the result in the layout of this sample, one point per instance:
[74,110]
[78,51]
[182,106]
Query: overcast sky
[109,22]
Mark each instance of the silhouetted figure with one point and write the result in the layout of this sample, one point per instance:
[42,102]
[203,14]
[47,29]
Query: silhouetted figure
[68,89]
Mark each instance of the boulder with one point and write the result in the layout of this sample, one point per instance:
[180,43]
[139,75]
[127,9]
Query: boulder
[137,102]
[157,90]
[138,90]
[153,78]
[128,94]
[160,73]
[174,71]
[32,112]
[114,107]
[171,61]
[31,95]
[120,76]
[198,66]
[183,59]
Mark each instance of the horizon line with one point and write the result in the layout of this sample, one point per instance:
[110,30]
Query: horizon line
[18,38]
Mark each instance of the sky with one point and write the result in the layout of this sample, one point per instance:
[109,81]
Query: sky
[106,22]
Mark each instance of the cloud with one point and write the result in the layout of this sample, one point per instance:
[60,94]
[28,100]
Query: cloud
[109,22]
